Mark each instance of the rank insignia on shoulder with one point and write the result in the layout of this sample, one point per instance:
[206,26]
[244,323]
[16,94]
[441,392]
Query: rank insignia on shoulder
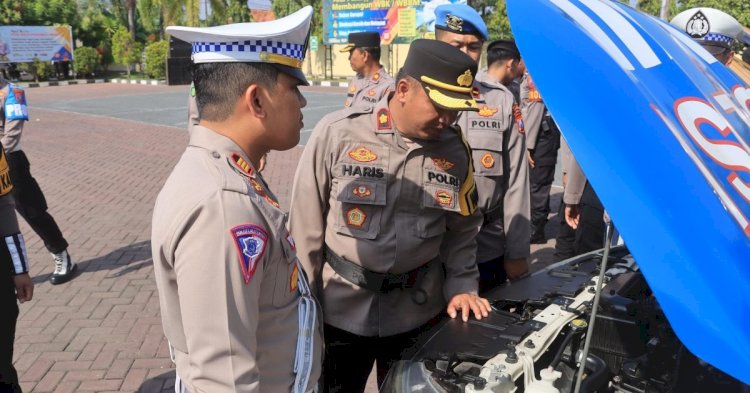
[376,77]
[384,119]
[444,198]
[486,111]
[519,117]
[361,191]
[241,164]
[352,89]
[363,154]
[290,240]
[356,217]
[250,241]
[442,163]
[294,278]
[272,201]
[488,161]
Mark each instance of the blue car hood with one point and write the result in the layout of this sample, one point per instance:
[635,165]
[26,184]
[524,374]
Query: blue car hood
[661,130]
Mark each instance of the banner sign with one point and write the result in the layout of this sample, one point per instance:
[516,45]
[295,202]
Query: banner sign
[21,44]
[397,21]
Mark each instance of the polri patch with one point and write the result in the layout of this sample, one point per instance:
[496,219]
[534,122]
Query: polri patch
[250,241]
[363,154]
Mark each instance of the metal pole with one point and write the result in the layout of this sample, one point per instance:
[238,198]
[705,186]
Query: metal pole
[594,307]
[664,14]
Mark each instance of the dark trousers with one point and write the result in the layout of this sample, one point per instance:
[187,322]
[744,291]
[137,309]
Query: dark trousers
[31,204]
[591,227]
[565,243]
[8,316]
[540,182]
[349,357]
[492,274]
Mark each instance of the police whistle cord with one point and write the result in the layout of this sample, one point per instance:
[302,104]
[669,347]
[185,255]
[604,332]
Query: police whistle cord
[594,307]
[307,319]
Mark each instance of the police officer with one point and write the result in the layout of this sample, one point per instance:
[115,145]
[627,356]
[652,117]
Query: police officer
[542,144]
[495,134]
[371,82]
[29,199]
[716,31]
[236,308]
[383,211]
[15,283]
[566,235]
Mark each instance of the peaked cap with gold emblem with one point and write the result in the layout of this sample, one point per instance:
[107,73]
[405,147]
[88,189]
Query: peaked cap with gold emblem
[446,73]
[281,42]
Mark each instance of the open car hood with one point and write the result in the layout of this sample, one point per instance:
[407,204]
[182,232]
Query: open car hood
[661,130]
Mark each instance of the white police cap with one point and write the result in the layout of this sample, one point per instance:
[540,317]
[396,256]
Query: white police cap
[709,26]
[281,42]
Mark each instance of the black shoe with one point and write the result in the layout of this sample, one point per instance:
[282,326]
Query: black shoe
[65,269]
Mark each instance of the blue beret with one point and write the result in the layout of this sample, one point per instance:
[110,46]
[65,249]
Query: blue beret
[460,19]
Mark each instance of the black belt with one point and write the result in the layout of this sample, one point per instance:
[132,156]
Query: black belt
[376,282]
[493,214]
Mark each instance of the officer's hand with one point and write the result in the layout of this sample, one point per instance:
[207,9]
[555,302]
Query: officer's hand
[516,268]
[572,215]
[532,163]
[24,287]
[468,302]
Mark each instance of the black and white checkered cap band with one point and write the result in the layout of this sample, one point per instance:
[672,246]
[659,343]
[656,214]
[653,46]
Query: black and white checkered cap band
[295,51]
[716,37]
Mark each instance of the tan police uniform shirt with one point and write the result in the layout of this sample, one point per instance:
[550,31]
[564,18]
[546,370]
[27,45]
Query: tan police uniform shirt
[388,205]
[496,136]
[227,274]
[532,111]
[10,130]
[368,90]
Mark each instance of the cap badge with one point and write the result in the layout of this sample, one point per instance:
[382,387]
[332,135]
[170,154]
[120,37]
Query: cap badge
[384,120]
[698,26]
[465,79]
[442,163]
[486,111]
[444,198]
[363,154]
[488,161]
[356,217]
[454,22]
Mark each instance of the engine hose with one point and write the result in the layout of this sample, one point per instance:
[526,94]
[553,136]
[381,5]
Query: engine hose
[598,374]
[565,343]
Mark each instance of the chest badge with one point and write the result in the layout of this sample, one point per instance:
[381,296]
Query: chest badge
[363,154]
[486,111]
[488,161]
[444,198]
[361,191]
[442,163]
[356,217]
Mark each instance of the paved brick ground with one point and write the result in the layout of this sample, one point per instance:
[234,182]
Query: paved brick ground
[101,332]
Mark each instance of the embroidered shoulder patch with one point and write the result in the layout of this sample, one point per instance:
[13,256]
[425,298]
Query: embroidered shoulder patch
[384,119]
[363,154]
[534,95]
[250,241]
[442,163]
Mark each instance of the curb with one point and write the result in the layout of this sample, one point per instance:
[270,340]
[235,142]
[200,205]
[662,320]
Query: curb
[329,84]
[151,82]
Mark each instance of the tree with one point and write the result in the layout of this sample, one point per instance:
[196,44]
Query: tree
[285,7]
[86,60]
[156,59]
[11,12]
[124,49]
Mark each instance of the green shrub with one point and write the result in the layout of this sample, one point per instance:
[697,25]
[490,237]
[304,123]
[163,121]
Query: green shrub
[40,69]
[156,59]
[86,60]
